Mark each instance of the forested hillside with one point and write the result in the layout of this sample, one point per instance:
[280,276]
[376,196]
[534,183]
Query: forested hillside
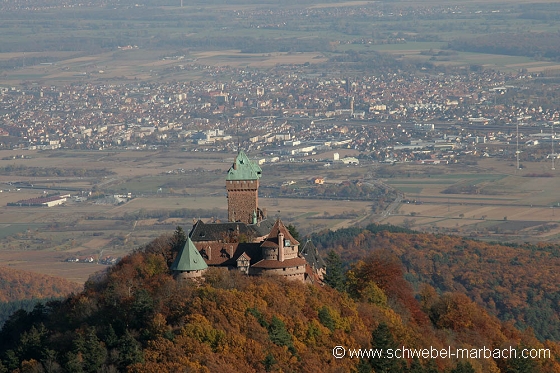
[137,318]
[520,283]
[22,290]
[17,285]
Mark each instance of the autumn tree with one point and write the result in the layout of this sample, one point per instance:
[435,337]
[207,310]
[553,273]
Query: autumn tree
[383,270]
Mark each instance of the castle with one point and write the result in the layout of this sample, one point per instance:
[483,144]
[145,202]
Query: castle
[248,242]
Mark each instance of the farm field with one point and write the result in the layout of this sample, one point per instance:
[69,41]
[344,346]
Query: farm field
[164,42]
[129,66]
[424,51]
[509,205]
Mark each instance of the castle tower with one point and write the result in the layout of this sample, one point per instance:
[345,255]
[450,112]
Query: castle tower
[242,185]
[188,263]
[280,253]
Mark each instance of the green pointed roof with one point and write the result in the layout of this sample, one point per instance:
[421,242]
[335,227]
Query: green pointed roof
[188,259]
[243,168]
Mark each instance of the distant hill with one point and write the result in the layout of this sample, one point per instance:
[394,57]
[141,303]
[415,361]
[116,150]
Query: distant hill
[518,283]
[136,318]
[16,285]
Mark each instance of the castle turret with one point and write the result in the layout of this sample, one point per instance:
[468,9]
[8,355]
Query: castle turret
[188,263]
[280,255]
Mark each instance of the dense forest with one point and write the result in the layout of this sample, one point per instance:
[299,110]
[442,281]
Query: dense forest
[7,309]
[23,290]
[136,318]
[17,285]
[517,283]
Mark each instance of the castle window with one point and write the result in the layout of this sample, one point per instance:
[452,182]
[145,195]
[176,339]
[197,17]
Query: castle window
[287,243]
[224,253]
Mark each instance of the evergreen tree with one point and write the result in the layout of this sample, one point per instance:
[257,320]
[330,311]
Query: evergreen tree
[293,231]
[278,333]
[335,273]
[363,367]
[48,359]
[326,319]
[73,363]
[11,360]
[130,351]
[111,338]
[178,241]
[431,367]
[31,342]
[268,362]
[89,351]
[142,308]
[519,364]
[466,367]
[382,339]
[416,366]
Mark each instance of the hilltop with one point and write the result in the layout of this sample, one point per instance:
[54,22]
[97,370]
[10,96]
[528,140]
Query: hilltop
[137,318]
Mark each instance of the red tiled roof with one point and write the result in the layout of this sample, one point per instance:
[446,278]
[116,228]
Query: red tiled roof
[218,252]
[271,264]
[272,240]
[272,243]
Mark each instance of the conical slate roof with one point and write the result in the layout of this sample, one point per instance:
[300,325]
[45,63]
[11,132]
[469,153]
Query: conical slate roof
[243,168]
[188,259]
[311,254]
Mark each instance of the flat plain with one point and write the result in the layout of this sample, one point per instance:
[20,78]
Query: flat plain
[163,42]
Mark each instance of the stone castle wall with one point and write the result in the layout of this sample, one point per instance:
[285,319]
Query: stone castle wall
[242,200]
[296,273]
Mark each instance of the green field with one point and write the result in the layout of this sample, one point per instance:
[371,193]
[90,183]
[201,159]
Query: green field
[12,229]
